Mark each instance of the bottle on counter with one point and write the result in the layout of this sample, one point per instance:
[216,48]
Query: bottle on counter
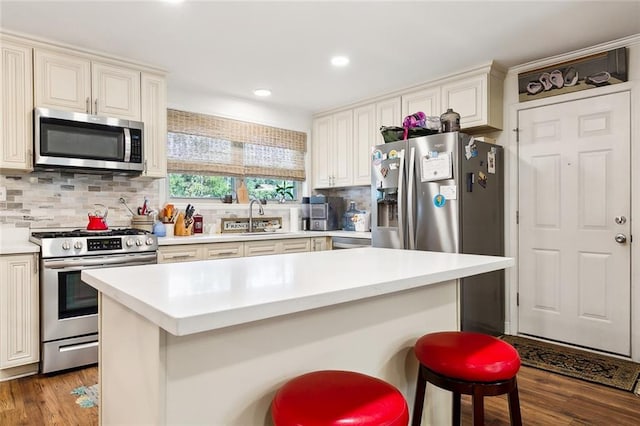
[450,121]
[349,217]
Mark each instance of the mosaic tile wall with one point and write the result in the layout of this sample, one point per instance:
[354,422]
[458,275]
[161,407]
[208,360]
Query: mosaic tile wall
[63,200]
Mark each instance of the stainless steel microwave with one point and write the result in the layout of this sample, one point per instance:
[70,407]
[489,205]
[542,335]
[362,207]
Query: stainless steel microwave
[64,139]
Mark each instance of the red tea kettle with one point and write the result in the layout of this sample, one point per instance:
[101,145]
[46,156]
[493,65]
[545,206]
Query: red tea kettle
[98,220]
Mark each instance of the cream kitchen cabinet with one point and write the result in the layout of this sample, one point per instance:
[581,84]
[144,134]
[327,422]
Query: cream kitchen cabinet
[294,245]
[260,248]
[477,98]
[425,100]
[223,250]
[74,82]
[19,310]
[476,95]
[342,143]
[320,243]
[364,136]
[154,117]
[16,106]
[333,150]
[194,252]
[180,253]
[367,121]
[266,247]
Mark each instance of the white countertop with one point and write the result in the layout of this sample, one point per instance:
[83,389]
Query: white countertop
[16,241]
[229,237]
[18,247]
[191,297]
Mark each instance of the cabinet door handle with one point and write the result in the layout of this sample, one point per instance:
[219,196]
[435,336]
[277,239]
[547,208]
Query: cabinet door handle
[88,106]
[96,110]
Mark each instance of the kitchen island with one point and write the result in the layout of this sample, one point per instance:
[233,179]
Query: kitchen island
[210,342]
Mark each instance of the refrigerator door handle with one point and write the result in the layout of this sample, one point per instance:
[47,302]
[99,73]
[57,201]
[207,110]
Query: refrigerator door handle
[400,200]
[411,199]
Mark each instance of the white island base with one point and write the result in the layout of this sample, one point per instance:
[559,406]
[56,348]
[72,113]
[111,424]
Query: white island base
[210,342]
[229,376]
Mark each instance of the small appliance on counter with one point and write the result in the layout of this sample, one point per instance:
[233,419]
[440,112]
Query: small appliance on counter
[325,213]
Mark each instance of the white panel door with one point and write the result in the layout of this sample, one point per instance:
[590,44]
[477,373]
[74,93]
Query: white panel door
[574,190]
[388,113]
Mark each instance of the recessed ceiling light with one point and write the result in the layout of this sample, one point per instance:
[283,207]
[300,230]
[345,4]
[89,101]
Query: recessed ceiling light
[339,61]
[262,92]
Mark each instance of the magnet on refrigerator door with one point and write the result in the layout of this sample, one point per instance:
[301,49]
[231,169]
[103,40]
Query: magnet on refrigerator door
[439,200]
[491,161]
[482,179]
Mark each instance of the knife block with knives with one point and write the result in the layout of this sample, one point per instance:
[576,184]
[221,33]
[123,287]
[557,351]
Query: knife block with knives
[183,227]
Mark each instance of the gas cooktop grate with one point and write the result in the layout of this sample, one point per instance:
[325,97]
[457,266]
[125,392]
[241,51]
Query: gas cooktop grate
[85,233]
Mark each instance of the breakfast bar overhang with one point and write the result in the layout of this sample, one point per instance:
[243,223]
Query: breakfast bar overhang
[210,342]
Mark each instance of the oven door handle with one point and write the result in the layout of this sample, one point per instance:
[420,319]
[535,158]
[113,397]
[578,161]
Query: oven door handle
[78,264]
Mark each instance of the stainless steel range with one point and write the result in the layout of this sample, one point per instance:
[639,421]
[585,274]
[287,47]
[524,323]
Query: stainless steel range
[69,307]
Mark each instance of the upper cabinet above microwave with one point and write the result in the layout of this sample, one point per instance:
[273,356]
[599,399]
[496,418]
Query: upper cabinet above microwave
[42,74]
[73,83]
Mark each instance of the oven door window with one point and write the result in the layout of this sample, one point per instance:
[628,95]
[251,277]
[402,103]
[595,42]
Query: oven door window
[75,298]
[62,138]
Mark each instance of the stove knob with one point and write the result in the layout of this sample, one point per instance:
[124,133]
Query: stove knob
[150,241]
[129,242]
[78,245]
[138,242]
[66,245]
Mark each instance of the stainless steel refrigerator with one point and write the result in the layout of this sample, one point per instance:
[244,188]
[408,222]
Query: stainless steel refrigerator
[445,192]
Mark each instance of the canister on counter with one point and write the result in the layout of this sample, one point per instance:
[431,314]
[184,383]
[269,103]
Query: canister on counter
[197,224]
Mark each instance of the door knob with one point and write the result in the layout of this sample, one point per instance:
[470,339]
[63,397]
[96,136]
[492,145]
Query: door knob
[621,238]
[620,220]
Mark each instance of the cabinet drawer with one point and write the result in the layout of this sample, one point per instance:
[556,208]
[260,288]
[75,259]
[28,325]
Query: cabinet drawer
[295,245]
[260,248]
[183,253]
[223,250]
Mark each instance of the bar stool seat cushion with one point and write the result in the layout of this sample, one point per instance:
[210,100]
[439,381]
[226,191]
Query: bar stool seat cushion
[333,397]
[468,356]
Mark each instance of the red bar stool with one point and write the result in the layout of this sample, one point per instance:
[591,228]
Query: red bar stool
[328,398]
[471,364]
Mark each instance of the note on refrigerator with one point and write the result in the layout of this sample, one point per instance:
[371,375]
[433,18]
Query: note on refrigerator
[436,166]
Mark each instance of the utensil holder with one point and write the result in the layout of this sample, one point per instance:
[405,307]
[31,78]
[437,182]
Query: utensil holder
[142,222]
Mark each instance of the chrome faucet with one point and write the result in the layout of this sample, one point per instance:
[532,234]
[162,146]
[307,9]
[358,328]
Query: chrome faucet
[260,212]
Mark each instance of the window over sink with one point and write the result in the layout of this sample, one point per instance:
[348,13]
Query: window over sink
[208,156]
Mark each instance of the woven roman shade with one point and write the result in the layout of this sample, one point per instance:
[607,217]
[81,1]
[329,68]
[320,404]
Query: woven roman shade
[210,145]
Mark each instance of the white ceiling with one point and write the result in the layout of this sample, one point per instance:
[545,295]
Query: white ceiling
[230,48]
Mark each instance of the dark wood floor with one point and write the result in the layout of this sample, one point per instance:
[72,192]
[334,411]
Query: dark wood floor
[545,399]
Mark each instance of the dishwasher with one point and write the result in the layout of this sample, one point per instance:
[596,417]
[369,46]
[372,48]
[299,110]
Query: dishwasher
[340,243]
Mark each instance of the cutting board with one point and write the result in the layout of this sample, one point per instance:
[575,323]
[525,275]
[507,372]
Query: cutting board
[243,194]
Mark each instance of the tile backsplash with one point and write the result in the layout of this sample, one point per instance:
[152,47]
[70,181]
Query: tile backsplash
[360,194]
[63,199]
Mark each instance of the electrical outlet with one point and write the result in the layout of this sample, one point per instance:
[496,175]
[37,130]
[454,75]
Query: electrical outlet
[3,193]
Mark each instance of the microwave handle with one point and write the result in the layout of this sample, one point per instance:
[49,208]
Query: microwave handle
[127,144]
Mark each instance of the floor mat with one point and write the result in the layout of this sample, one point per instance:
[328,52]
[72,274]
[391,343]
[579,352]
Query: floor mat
[87,396]
[602,369]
